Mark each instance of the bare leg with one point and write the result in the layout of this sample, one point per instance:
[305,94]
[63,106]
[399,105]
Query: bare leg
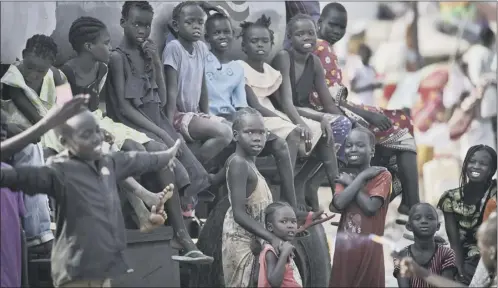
[293,142]
[280,152]
[408,175]
[215,135]
[311,165]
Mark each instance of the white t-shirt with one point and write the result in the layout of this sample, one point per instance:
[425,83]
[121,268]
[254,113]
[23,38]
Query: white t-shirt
[363,76]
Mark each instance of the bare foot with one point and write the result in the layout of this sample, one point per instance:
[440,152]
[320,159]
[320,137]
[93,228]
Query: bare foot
[153,199]
[157,215]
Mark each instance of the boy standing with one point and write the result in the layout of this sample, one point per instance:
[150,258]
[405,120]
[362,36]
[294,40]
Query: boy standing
[90,239]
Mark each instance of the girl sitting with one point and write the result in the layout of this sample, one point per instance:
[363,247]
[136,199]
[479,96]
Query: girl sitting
[440,260]
[466,207]
[188,105]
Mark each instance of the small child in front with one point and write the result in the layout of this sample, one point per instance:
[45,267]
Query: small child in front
[362,198]
[277,269]
[90,237]
[438,259]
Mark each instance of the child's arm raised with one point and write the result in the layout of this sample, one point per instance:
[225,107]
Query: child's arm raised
[322,90]
[238,175]
[373,200]
[275,266]
[53,118]
[126,108]
[33,180]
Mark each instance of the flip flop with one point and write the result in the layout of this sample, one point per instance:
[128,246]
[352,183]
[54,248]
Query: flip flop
[200,258]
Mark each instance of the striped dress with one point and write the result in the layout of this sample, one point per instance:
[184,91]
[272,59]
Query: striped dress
[443,258]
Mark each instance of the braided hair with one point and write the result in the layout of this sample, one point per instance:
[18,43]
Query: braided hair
[263,22]
[298,17]
[271,209]
[472,150]
[178,10]
[241,113]
[84,30]
[42,46]
[142,5]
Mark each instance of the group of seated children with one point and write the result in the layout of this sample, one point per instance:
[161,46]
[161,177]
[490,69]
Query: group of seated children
[156,105]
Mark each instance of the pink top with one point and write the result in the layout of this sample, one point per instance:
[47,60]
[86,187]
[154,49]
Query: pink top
[289,280]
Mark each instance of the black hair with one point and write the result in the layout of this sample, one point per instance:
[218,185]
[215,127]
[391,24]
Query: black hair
[298,17]
[84,30]
[272,208]
[178,10]
[472,150]
[42,46]
[487,36]
[263,22]
[241,113]
[142,5]
[414,208]
[214,17]
[65,129]
[371,136]
[365,53]
[333,6]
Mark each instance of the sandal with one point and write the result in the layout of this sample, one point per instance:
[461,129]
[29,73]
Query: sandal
[194,257]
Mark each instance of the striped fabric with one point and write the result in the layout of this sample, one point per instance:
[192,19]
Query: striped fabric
[443,258]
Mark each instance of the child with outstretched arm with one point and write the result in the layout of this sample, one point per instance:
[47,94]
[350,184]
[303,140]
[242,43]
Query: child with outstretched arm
[90,236]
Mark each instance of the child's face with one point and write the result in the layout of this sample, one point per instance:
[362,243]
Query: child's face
[101,49]
[303,36]
[284,224]
[137,25]
[257,43]
[332,26]
[424,221]
[359,151]
[252,135]
[219,34]
[84,138]
[34,68]
[190,24]
[478,167]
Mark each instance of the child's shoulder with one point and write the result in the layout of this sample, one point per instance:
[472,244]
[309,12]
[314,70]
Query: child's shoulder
[236,161]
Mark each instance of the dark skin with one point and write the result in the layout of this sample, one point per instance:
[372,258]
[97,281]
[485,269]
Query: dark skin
[423,222]
[214,135]
[479,163]
[359,151]
[137,31]
[59,115]
[303,39]
[332,27]
[242,178]
[284,226]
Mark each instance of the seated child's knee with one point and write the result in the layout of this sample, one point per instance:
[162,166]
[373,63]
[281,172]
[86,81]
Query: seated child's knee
[279,147]
[132,145]
[226,133]
[294,136]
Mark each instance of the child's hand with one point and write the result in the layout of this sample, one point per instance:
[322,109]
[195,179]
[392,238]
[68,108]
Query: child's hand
[372,172]
[149,47]
[286,247]
[409,268]
[306,135]
[61,114]
[108,137]
[345,179]
[327,119]
[380,121]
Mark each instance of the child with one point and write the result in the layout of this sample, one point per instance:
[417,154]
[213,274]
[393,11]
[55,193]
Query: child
[249,196]
[466,207]
[137,94]
[187,106]
[265,84]
[362,76]
[440,260]
[29,86]
[362,199]
[12,207]
[279,270]
[392,128]
[90,238]
[226,90]
[486,237]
